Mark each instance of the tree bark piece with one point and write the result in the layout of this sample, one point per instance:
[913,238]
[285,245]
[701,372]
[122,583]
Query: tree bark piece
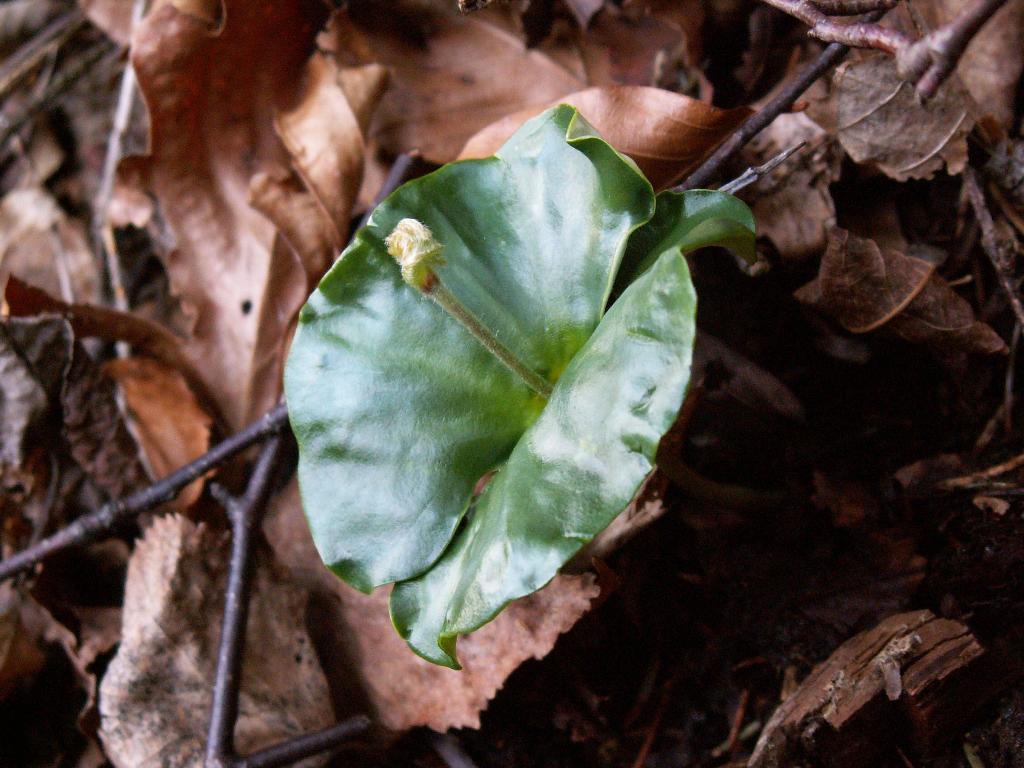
[913,678]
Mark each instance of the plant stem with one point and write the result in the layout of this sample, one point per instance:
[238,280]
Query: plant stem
[455,308]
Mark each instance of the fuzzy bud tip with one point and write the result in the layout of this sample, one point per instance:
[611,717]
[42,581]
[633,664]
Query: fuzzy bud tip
[413,246]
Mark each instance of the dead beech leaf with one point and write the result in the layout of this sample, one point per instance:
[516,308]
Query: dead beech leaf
[155,696]
[212,91]
[96,432]
[51,385]
[323,133]
[633,48]
[170,425]
[145,336]
[449,81]
[405,690]
[666,133]
[865,288]
[881,121]
[793,206]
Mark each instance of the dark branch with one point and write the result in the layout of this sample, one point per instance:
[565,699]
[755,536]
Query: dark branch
[753,125]
[1001,250]
[92,526]
[245,513]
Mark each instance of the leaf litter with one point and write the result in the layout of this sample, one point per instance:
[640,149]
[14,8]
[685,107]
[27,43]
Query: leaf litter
[270,129]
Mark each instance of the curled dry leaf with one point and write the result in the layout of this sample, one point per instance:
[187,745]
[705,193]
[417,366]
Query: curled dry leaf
[450,81]
[155,697]
[145,336]
[95,428]
[793,206]
[405,690]
[881,121]
[170,425]
[50,379]
[865,288]
[213,90]
[323,133]
[666,133]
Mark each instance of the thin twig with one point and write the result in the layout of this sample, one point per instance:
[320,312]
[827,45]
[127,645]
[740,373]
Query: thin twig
[930,60]
[21,63]
[926,62]
[90,527]
[864,34]
[245,513]
[976,478]
[83,65]
[103,233]
[449,749]
[754,173]
[399,170]
[760,120]
[1000,250]
[301,747]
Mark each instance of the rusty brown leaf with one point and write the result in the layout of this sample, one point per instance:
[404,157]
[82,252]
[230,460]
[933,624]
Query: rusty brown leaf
[170,425]
[866,288]
[95,429]
[881,121]
[405,690]
[145,336]
[666,133]
[155,696]
[450,75]
[793,206]
[213,91]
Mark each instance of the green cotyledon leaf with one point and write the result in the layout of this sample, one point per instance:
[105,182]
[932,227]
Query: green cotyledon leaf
[399,409]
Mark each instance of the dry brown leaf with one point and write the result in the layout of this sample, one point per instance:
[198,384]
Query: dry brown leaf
[881,121]
[793,206]
[48,379]
[666,133]
[155,696]
[991,66]
[213,91]
[96,432]
[450,80]
[406,690]
[170,425]
[865,288]
[41,245]
[145,336]
[323,132]
[623,48]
